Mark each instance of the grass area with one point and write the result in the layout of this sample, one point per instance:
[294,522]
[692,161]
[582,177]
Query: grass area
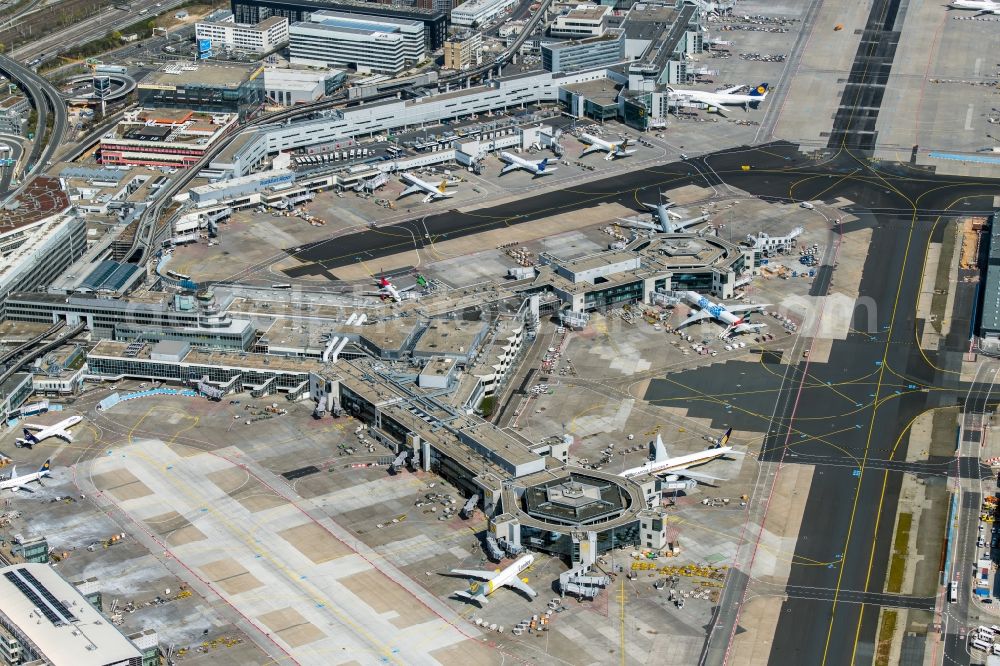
[900,549]
[939,299]
[886,632]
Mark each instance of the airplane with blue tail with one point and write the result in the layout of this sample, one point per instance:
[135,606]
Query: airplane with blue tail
[726,97]
[514,162]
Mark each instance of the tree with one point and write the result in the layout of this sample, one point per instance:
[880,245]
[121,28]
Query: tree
[487,406]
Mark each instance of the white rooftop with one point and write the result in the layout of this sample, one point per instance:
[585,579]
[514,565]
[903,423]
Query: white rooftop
[87,639]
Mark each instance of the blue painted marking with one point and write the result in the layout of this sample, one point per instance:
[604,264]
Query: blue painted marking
[911,386]
[840,556]
[959,157]
[829,566]
[858,426]
[856,472]
[204,510]
[878,364]
[897,392]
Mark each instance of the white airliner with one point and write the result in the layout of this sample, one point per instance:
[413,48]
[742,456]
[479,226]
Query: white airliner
[514,162]
[60,430]
[662,463]
[494,580]
[614,150]
[16,483]
[664,220]
[434,192]
[389,291]
[721,313]
[727,97]
[981,6]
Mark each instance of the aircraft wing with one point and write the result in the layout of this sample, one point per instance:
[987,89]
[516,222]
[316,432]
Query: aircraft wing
[510,166]
[747,308]
[33,426]
[697,476]
[728,91]
[697,316]
[710,101]
[523,587]
[412,189]
[23,487]
[475,573]
[63,434]
[591,148]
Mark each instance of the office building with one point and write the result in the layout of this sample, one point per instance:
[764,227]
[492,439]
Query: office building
[479,13]
[580,22]
[462,50]
[435,21]
[224,32]
[44,619]
[14,111]
[163,137]
[366,43]
[205,87]
[584,54]
[288,87]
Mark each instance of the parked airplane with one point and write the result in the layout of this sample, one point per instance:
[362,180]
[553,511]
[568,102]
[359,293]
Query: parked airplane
[662,463]
[663,220]
[613,150]
[727,97]
[478,592]
[514,162]
[434,192]
[16,483]
[60,430]
[982,6]
[721,313]
[388,291]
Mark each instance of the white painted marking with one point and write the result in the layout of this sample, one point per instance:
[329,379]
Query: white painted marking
[979,64]
[968,118]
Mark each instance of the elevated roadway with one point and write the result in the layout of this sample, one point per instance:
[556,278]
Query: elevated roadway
[20,349]
[41,351]
[46,99]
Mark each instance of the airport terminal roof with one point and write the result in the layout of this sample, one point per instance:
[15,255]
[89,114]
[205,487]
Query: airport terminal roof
[109,276]
[602,91]
[450,337]
[203,357]
[183,73]
[59,620]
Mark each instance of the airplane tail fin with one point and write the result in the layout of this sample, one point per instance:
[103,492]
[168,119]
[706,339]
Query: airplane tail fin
[660,450]
[760,90]
[725,438]
[46,466]
[29,436]
[443,187]
[543,164]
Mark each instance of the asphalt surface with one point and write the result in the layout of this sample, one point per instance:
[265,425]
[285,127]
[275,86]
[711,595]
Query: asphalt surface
[45,99]
[7,173]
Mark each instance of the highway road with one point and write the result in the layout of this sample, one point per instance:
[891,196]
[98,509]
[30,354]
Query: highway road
[100,24]
[45,98]
[16,152]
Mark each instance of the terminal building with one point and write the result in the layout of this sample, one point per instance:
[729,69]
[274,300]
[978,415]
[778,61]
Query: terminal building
[366,43]
[435,21]
[989,323]
[44,619]
[204,87]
